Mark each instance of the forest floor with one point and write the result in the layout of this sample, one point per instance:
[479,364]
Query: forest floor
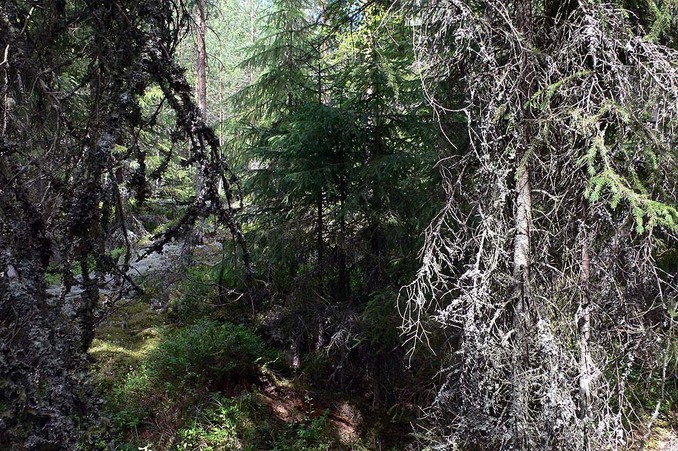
[664,436]
[265,407]
[261,406]
[273,402]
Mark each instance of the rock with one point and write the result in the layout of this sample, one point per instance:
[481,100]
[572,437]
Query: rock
[12,273]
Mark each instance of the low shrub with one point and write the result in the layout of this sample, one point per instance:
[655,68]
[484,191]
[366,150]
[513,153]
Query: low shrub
[225,423]
[308,434]
[207,353]
[199,291]
[131,400]
[185,365]
[196,290]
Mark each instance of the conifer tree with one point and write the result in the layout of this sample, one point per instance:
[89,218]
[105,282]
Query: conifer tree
[341,179]
[73,78]
[544,260]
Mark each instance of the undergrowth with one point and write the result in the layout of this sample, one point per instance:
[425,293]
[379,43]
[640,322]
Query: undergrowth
[191,377]
[198,387]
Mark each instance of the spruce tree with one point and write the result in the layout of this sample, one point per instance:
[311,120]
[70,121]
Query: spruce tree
[544,260]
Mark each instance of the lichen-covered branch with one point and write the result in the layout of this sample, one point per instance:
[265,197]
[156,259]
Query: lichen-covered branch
[573,116]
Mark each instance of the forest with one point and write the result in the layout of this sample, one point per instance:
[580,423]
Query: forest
[339,225]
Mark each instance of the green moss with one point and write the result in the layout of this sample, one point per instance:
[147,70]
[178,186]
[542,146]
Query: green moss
[126,338]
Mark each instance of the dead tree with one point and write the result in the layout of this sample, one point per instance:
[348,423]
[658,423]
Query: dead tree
[71,77]
[542,264]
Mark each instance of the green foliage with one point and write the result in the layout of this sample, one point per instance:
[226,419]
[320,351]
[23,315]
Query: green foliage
[53,277]
[166,196]
[186,363]
[225,423]
[341,181]
[353,154]
[208,353]
[172,388]
[310,434]
[130,402]
[284,57]
[381,319]
[608,182]
[198,293]
[307,156]
[117,253]
[242,423]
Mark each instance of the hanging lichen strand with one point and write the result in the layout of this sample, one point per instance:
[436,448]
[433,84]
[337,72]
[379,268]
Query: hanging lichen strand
[541,268]
[71,76]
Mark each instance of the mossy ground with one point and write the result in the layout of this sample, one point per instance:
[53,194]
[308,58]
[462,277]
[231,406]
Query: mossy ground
[262,407]
[124,340]
[261,410]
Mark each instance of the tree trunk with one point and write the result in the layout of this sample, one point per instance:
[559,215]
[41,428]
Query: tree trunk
[194,237]
[252,10]
[201,80]
[43,366]
[584,328]
[521,245]
[320,245]
[522,314]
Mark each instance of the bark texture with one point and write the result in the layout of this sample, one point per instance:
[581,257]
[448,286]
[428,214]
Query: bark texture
[71,78]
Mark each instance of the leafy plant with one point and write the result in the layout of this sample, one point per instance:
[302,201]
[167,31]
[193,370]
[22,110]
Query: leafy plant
[208,353]
[129,402]
[226,423]
[309,434]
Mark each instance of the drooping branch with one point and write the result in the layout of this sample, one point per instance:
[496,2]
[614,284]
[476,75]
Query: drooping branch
[71,78]
[576,109]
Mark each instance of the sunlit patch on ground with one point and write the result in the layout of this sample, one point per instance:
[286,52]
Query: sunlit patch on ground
[125,339]
[664,437]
